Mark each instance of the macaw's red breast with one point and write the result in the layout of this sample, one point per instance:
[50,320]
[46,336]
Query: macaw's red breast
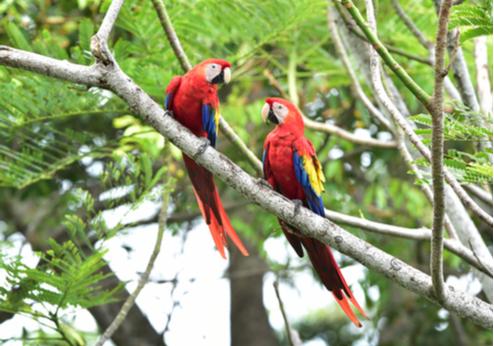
[280,156]
[193,92]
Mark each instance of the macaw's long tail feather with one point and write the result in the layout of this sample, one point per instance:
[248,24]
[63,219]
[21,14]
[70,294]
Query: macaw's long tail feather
[326,267]
[211,207]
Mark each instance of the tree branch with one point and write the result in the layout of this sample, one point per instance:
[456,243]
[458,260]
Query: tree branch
[325,127]
[438,152]
[256,191]
[421,96]
[288,329]
[340,48]
[87,75]
[454,246]
[99,42]
[448,85]
[167,26]
[407,156]
[411,25]
[338,131]
[481,194]
[483,82]
[129,302]
[400,72]
[463,222]
[355,31]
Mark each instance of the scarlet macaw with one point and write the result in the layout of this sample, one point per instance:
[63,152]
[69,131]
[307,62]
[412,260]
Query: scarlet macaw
[193,99]
[292,168]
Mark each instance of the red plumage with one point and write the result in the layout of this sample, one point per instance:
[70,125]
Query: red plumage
[288,155]
[189,97]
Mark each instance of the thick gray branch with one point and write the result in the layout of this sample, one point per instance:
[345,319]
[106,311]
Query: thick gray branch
[88,75]
[303,219]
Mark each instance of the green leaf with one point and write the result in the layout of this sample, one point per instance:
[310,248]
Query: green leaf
[86,31]
[17,37]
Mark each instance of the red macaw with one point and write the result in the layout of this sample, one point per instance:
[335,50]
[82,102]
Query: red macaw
[292,168]
[193,101]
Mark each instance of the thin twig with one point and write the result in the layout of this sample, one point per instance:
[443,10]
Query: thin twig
[355,31]
[325,127]
[448,85]
[408,158]
[411,25]
[437,152]
[351,137]
[340,49]
[453,245]
[129,302]
[400,72]
[99,42]
[166,23]
[483,83]
[275,83]
[478,192]
[288,329]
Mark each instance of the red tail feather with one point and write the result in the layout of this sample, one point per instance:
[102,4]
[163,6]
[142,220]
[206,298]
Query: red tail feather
[211,207]
[326,267]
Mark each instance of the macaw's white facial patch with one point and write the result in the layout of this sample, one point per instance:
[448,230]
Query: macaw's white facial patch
[212,71]
[280,111]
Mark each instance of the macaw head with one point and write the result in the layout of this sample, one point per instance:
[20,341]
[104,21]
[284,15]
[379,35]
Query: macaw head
[214,71]
[282,113]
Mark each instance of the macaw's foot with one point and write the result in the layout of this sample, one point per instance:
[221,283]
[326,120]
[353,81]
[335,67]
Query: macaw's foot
[202,148]
[263,182]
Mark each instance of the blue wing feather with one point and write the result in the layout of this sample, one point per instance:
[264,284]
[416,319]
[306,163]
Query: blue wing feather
[168,99]
[208,123]
[313,200]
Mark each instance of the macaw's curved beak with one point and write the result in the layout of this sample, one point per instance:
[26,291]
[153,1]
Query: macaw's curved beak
[227,75]
[223,77]
[268,114]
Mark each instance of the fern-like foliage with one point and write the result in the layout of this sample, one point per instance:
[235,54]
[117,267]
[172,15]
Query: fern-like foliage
[36,137]
[473,19]
[461,127]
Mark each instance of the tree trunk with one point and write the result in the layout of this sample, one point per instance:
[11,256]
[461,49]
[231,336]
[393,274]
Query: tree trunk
[249,321]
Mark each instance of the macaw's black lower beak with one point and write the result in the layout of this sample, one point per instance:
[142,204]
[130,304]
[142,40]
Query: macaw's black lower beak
[272,117]
[219,78]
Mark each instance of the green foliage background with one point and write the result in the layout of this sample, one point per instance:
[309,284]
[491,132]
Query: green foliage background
[52,132]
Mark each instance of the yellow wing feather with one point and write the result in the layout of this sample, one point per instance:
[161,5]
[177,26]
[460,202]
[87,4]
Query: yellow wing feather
[217,116]
[314,171]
